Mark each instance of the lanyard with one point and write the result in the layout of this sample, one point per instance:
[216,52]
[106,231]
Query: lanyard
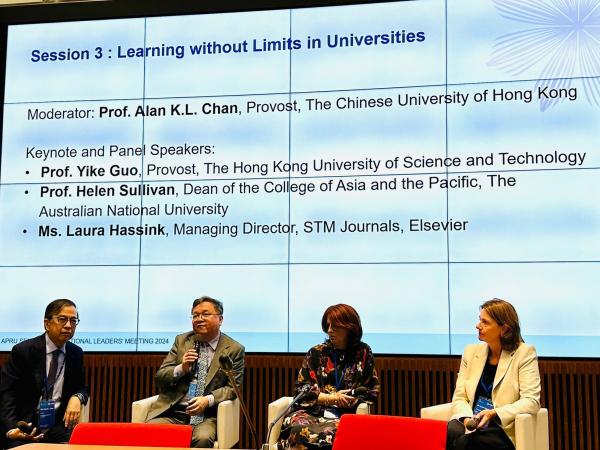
[486,388]
[338,381]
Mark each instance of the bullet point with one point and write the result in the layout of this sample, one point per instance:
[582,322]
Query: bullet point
[27,172]
[27,192]
[24,231]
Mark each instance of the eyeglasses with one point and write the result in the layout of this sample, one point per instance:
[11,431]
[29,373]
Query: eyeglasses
[202,316]
[62,320]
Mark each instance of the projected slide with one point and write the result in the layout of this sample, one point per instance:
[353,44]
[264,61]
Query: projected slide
[406,159]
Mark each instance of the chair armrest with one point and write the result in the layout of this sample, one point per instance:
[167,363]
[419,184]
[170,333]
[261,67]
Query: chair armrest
[531,431]
[542,437]
[85,412]
[275,408]
[140,409]
[363,408]
[228,423]
[524,432]
[437,412]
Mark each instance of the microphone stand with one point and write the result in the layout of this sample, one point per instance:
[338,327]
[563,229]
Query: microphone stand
[242,404]
[301,394]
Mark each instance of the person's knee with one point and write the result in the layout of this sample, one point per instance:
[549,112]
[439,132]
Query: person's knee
[455,428]
[202,441]
[455,433]
[159,420]
[13,444]
[204,435]
[57,435]
[294,436]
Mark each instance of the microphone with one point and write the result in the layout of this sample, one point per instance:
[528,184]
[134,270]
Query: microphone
[357,392]
[226,366]
[225,362]
[197,345]
[305,389]
[472,423]
[302,391]
[24,427]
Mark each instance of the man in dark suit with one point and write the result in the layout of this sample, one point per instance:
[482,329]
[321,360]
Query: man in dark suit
[44,371]
[194,359]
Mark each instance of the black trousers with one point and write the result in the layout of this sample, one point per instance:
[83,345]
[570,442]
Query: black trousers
[491,438]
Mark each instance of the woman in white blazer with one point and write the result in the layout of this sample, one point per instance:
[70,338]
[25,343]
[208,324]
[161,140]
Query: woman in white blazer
[498,379]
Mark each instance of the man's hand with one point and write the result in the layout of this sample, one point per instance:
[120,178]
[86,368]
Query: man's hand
[73,412]
[17,435]
[196,406]
[189,358]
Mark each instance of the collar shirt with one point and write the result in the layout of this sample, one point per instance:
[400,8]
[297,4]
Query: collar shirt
[212,347]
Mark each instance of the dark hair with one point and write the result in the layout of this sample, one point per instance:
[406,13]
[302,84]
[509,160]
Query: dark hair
[343,316]
[505,314]
[216,303]
[55,306]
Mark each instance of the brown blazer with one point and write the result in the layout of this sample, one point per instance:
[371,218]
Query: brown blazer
[172,391]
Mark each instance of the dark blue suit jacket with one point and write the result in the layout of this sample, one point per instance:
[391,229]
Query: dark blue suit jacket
[23,381]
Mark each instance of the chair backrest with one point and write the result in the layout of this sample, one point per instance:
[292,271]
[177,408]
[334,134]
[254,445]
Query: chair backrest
[390,433]
[132,434]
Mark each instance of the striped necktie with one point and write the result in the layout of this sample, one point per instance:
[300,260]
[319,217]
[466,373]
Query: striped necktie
[201,372]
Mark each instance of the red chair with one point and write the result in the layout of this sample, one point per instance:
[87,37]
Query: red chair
[390,433]
[132,434]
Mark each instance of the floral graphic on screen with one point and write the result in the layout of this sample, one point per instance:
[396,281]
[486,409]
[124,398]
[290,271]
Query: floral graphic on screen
[561,37]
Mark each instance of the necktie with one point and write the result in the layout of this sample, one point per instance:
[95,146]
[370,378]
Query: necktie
[52,374]
[200,375]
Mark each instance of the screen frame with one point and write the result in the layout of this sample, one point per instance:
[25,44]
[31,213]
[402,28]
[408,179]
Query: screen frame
[19,14]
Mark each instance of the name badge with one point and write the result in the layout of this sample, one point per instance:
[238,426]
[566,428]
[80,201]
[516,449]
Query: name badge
[482,403]
[46,415]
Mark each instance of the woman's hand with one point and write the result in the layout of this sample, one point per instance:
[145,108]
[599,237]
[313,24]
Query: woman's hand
[484,417]
[343,400]
[340,399]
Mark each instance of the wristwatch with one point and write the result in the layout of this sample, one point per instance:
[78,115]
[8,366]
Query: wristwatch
[81,398]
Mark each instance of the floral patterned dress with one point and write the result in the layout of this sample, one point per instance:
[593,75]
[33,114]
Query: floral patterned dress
[313,426]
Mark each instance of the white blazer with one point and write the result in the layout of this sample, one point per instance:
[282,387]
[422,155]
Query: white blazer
[516,388]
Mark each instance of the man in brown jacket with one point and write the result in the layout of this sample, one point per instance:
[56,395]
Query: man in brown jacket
[194,359]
